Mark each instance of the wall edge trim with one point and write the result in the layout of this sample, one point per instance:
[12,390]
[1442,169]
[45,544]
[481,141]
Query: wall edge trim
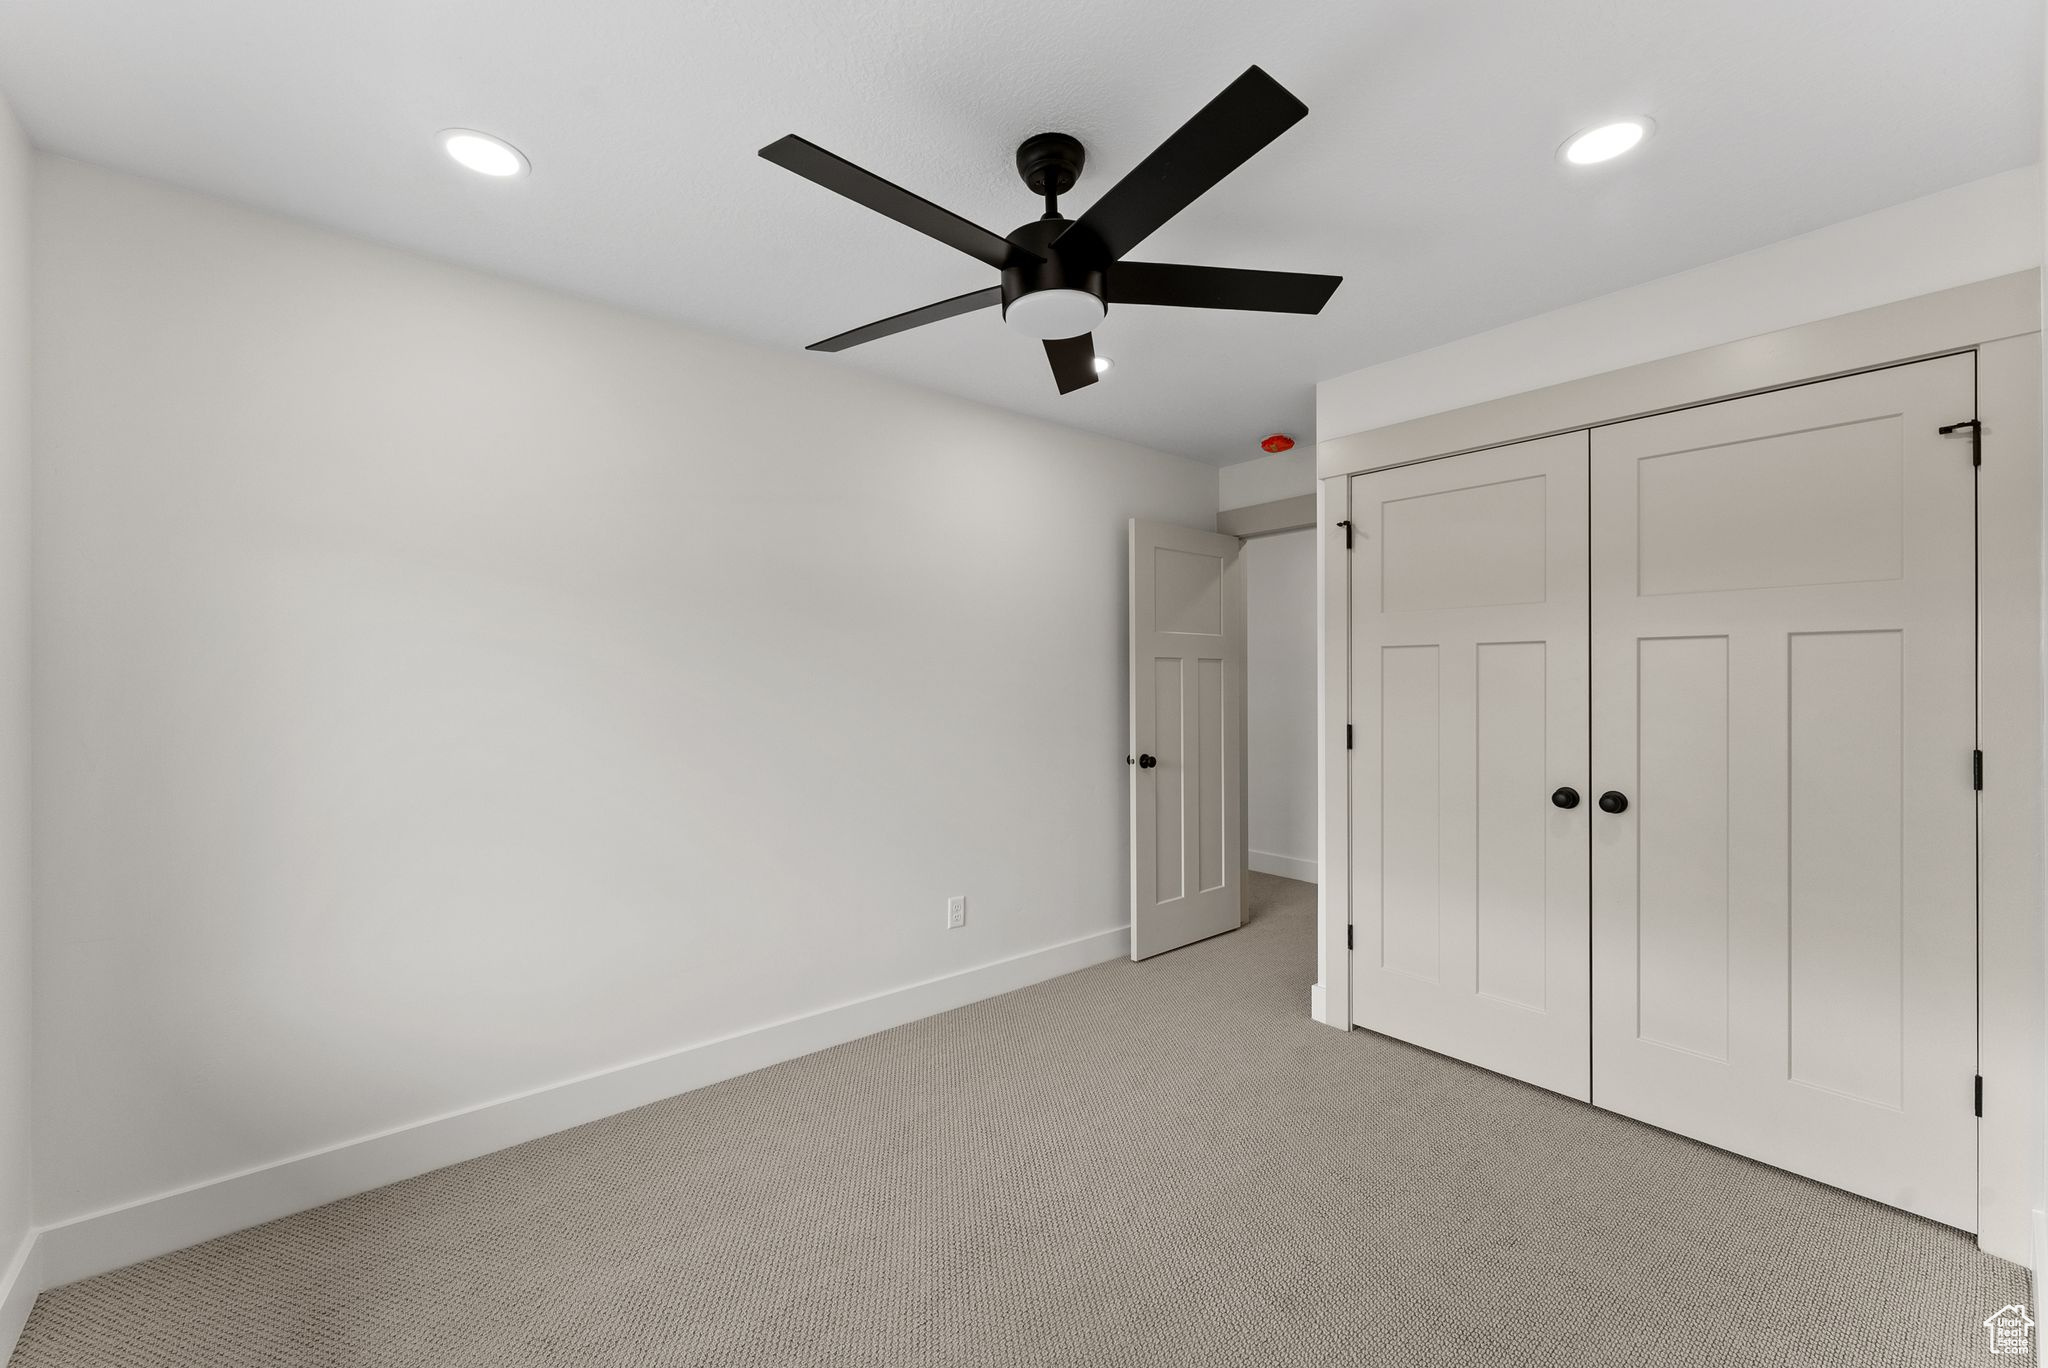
[19,1285]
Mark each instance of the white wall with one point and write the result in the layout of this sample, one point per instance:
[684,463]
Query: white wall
[1267,478]
[2040,1251]
[449,688]
[1280,701]
[17,1279]
[1976,231]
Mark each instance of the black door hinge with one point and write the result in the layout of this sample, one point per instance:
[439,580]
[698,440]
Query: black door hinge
[1347,736]
[1977,770]
[1349,944]
[1980,1094]
[1346,525]
[1976,431]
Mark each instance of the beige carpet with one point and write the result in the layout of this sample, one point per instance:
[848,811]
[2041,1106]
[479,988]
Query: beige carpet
[1162,1163]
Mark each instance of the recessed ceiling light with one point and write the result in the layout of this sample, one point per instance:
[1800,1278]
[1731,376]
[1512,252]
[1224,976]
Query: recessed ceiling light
[484,154]
[1606,142]
[1102,365]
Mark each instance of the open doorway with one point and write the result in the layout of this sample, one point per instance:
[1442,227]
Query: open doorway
[1223,687]
[1280,703]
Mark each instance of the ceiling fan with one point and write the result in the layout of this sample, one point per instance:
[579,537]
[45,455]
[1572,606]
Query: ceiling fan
[1059,277]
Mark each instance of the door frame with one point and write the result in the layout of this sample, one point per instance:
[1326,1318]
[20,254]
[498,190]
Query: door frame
[2000,321]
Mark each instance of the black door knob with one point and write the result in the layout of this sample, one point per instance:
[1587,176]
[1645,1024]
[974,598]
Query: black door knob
[1565,798]
[1146,762]
[1611,801]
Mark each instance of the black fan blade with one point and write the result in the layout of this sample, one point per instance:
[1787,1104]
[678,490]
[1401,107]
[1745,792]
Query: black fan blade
[1073,361]
[1220,287]
[841,176]
[1251,112]
[914,318]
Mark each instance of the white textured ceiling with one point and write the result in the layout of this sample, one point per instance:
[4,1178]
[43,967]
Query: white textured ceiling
[1425,172]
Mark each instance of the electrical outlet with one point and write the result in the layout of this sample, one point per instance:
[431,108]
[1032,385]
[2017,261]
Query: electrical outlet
[956,913]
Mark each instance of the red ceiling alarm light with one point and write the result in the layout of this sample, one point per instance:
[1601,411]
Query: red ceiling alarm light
[1277,443]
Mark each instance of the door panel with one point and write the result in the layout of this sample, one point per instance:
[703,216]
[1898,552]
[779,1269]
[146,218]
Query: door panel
[1510,840]
[1682,949]
[1187,714]
[1783,612]
[1166,801]
[1411,801]
[1846,898]
[1425,547]
[1845,894]
[1832,515]
[1469,708]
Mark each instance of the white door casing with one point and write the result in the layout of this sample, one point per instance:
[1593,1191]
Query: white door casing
[1784,929]
[1468,679]
[1187,675]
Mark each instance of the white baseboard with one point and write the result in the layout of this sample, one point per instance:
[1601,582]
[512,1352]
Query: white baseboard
[20,1280]
[121,1235]
[1286,866]
[1316,1010]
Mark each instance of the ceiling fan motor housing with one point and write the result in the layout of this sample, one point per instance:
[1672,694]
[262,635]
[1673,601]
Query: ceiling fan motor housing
[1050,163]
[1063,281]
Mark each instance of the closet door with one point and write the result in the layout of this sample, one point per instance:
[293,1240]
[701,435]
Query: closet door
[1468,710]
[1783,689]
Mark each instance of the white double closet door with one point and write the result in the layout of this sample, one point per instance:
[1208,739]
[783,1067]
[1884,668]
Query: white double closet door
[1752,624]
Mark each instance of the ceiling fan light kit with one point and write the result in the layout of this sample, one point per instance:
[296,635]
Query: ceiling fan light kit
[1053,312]
[1059,277]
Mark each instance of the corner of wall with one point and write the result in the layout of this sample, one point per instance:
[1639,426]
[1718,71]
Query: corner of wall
[21,1278]
[20,1267]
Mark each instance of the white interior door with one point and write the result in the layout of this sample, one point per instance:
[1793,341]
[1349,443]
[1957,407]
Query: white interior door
[1469,898]
[1783,684]
[1187,736]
